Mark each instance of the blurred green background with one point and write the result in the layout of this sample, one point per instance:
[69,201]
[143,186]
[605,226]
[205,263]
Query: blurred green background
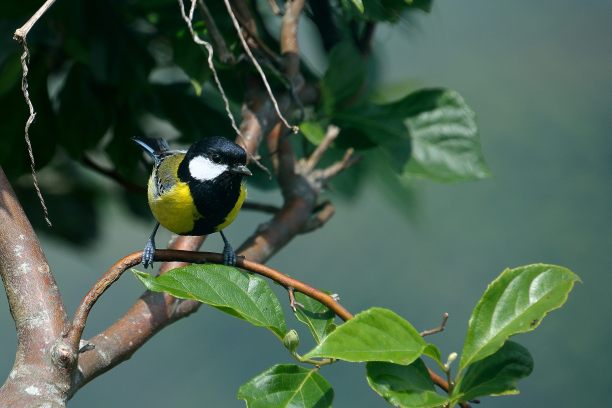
[539,76]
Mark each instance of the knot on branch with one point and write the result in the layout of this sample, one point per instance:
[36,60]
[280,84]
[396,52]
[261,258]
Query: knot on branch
[63,355]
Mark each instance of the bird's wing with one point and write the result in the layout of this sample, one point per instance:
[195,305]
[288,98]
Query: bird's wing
[166,171]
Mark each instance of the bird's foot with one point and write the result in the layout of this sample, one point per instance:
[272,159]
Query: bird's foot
[229,256]
[148,253]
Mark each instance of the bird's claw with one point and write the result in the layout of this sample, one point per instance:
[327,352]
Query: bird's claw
[148,253]
[229,256]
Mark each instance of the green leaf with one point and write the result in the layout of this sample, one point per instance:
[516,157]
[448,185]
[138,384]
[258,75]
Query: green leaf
[515,302]
[373,335]
[287,385]
[318,318]
[497,374]
[344,77]
[313,132]
[228,289]
[358,4]
[404,386]
[430,133]
[433,352]
[444,135]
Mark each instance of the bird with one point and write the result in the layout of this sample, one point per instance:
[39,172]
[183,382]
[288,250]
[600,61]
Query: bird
[197,191]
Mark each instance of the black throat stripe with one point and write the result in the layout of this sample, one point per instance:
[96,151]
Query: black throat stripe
[214,199]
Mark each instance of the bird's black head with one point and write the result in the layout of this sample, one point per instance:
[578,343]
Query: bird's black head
[211,157]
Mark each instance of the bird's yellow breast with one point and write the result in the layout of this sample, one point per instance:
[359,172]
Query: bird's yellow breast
[174,208]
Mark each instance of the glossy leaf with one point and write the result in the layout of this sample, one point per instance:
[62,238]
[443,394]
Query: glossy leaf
[444,136]
[373,335]
[228,289]
[404,386]
[313,132]
[515,302]
[318,318]
[497,374]
[287,385]
[433,352]
[430,133]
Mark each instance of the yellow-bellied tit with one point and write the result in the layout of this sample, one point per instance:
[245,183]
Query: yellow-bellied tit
[196,191]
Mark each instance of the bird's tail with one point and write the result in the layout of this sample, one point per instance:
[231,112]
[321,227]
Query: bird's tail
[156,148]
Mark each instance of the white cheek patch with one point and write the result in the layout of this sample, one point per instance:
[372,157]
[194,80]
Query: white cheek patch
[203,169]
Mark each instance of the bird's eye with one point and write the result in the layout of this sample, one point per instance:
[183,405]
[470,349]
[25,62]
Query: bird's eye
[215,158]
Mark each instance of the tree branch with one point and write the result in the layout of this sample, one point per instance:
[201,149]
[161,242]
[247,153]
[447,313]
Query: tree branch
[22,32]
[225,55]
[168,255]
[35,305]
[149,314]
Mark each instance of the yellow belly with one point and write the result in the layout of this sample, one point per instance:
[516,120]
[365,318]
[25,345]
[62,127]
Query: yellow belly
[174,209]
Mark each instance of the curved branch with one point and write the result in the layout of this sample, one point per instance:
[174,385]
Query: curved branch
[170,255]
[35,303]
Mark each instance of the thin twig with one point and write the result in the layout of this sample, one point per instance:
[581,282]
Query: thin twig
[22,32]
[113,175]
[165,255]
[20,36]
[224,54]
[319,218]
[247,49]
[294,304]
[196,38]
[438,329]
[347,161]
[319,178]
[261,207]
[290,50]
[315,157]
[274,6]
[209,49]
[276,59]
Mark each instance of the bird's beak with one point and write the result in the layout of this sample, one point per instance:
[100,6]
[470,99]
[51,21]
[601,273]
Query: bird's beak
[241,169]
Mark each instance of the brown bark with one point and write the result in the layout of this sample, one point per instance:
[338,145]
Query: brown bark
[40,373]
